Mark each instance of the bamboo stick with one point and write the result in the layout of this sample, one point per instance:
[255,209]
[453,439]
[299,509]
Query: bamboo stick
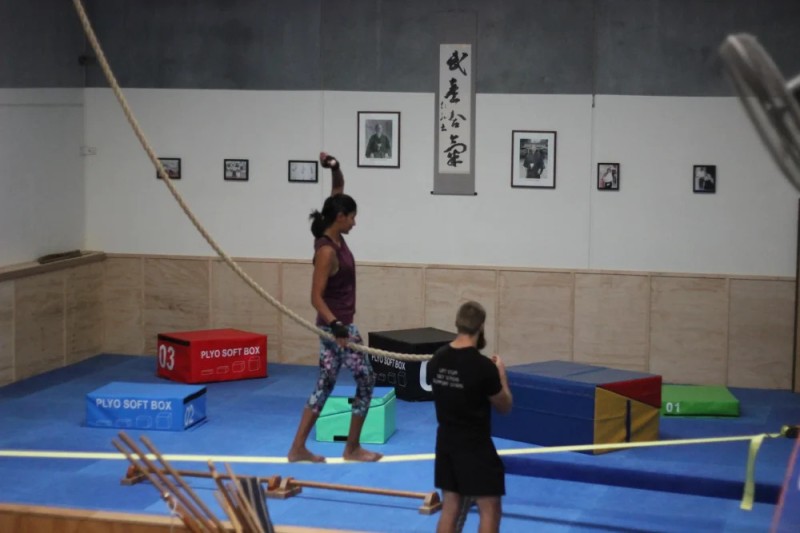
[270,481]
[244,504]
[237,527]
[165,492]
[229,498]
[355,488]
[165,481]
[177,477]
[290,486]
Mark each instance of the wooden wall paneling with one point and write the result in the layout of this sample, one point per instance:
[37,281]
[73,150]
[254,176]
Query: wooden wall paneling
[42,519]
[234,304]
[389,298]
[689,329]
[298,344]
[535,316]
[6,332]
[761,334]
[83,286]
[447,288]
[612,320]
[123,305]
[176,296]
[38,324]
[33,268]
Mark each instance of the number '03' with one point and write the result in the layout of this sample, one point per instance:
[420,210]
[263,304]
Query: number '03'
[166,357]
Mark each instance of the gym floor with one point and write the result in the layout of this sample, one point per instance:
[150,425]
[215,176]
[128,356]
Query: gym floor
[49,457]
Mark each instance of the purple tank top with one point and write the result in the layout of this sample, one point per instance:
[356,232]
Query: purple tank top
[340,292]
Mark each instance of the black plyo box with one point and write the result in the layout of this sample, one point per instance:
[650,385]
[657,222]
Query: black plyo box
[407,377]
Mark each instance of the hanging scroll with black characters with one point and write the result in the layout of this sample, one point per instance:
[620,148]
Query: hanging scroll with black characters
[455,108]
[455,128]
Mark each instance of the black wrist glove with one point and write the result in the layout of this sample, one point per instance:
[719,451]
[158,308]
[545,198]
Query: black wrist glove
[331,163]
[339,330]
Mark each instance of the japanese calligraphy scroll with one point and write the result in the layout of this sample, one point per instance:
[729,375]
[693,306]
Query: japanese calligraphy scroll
[455,128]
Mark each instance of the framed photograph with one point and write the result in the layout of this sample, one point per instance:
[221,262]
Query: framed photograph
[172,166]
[236,169]
[533,159]
[608,176]
[303,171]
[378,139]
[704,179]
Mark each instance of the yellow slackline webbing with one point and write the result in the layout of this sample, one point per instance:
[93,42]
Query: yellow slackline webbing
[747,496]
[750,484]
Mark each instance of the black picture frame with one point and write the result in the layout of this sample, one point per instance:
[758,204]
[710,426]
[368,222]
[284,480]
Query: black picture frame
[608,176]
[533,159]
[172,166]
[236,170]
[303,171]
[705,179]
[378,143]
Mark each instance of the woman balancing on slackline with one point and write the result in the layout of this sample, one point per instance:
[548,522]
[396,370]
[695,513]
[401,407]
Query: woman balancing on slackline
[333,295]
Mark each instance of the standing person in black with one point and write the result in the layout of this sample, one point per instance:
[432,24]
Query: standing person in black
[466,385]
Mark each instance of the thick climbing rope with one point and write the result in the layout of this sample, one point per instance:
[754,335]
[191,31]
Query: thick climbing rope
[101,58]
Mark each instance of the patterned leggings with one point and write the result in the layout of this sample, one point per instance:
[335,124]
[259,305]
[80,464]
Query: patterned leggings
[331,357]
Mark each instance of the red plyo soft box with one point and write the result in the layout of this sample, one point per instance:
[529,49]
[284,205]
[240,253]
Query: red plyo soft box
[212,355]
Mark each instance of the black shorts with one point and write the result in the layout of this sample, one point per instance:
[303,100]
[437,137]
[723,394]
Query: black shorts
[470,473]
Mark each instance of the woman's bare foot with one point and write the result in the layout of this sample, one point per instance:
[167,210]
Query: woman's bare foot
[304,454]
[360,454]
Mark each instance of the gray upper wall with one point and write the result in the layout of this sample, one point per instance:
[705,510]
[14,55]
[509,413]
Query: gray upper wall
[40,42]
[638,47]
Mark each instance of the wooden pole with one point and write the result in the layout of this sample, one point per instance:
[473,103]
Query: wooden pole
[239,514]
[247,509]
[355,488]
[151,467]
[223,502]
[177,477]
[135,475]
[290,486]
[188,517]
[282,488]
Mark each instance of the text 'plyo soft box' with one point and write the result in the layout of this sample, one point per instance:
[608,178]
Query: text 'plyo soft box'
[167,407]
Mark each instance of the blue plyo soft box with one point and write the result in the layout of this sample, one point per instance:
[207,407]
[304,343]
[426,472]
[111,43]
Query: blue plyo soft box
[167,407]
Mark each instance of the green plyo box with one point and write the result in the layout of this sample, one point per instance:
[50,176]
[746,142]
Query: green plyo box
[698,400]
[333,423]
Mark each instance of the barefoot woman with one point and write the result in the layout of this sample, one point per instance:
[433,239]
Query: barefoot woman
[333,295]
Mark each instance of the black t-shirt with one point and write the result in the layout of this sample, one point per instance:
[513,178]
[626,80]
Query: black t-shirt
[462,380]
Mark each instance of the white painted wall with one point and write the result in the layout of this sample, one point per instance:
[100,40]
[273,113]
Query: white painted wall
[653,223]
[657,223]
[42,193]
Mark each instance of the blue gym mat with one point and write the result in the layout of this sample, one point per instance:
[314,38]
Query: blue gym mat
[671,489]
